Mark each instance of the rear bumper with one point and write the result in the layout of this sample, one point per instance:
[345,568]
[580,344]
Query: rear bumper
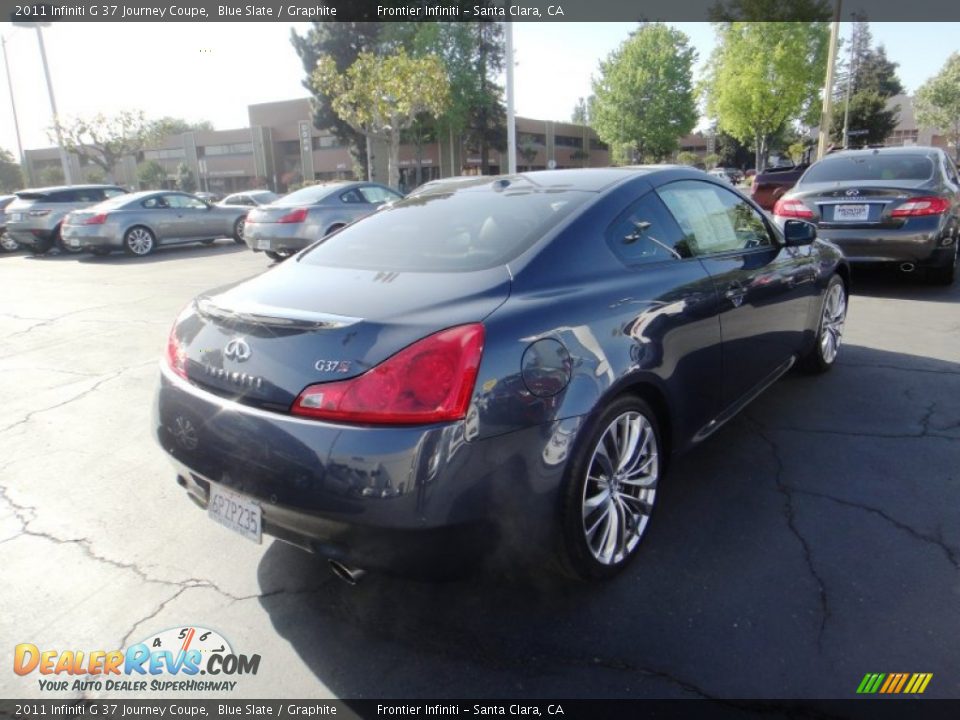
[349,492]
[91,236]
[877,246]
[30,236]
[275,237]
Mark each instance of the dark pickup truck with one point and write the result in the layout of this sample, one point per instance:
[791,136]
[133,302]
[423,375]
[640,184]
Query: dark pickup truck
[770,185]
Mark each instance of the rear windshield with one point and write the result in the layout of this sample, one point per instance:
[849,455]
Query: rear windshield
[307,195]
[870,167]
[449,232]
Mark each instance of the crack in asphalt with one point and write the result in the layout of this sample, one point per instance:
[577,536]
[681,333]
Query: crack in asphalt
[113,376]
[787,492]
[952,554]
[50,321]
[925,423]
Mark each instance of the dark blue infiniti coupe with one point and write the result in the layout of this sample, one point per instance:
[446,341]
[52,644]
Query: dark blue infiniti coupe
[507,361]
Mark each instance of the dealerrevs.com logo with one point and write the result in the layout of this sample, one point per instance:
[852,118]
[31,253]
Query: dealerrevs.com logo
[172,660]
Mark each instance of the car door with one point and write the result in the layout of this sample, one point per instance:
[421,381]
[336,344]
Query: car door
[676,332]
[162,219]
[192,219]
[764,288]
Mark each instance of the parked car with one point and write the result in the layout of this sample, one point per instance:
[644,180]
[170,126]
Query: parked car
[7,243]
[887,205]
[289,224]
[722,174]
[526,352]
[34,219]
[138,223]
[771,184]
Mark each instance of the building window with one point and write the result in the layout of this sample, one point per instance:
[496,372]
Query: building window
[568,141]
[227,149]
[325,142]
[170,154]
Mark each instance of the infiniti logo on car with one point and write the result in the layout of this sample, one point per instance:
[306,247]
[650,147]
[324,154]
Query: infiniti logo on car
[237,349]
[853,192]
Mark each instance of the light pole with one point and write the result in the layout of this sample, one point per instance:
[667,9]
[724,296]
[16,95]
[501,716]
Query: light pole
[64,158]
[825,116]
[13,105]
[511,119]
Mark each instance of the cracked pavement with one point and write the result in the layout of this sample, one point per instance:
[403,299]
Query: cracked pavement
[812,540]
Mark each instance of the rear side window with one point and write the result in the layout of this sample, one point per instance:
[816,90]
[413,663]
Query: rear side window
[61,196]
[894,166]
[713,219]
[646,233]
[459,231]
[376,195]
[352,197]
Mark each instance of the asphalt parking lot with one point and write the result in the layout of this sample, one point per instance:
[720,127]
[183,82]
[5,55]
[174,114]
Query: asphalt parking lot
[814,539]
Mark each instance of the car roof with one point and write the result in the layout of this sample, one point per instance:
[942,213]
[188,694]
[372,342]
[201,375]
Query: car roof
[58,188]
[583,179]
[896,150]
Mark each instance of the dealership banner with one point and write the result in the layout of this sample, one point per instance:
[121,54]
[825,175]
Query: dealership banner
[565,709]
[475,10]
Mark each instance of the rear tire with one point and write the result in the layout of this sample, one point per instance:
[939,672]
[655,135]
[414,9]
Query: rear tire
[833,315]
[139,241]
[333,228]
[278,257]
[238,227]
[610,489]
[8,244]
[945,274]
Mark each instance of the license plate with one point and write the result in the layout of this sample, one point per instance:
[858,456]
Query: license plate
[851,213]
[235,511]
[16,217]
[73,242]
[263,244]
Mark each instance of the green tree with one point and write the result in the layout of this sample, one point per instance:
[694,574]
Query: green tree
[937,103]
[185,180]
[10,176]
[151,175]
[177,126]
[870,78]
[52,175]
[764,76]
[688,158]
[644,94]
[103,140]
[381,96]
[341,42]
[95,175]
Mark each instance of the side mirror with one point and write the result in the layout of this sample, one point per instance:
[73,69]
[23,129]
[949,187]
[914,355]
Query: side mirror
[797,233]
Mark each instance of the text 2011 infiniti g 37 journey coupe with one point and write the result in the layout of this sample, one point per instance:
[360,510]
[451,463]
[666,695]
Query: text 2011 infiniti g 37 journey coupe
[512,358]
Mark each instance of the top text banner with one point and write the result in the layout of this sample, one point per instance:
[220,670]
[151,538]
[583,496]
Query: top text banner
[481,10]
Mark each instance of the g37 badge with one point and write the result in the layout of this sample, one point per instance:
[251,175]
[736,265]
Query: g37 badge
[339,366]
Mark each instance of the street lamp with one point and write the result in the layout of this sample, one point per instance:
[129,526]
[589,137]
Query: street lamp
[64,158]
[13,105]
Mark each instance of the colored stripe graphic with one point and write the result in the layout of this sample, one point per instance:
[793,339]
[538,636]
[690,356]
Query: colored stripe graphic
[894,683]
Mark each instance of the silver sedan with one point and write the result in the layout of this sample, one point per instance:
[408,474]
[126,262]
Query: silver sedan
[140,222]
[296,220]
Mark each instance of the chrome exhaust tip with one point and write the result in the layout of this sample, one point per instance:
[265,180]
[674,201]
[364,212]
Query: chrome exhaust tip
[351,576]
[907,267]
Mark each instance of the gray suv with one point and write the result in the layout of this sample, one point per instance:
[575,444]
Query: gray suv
[34,218]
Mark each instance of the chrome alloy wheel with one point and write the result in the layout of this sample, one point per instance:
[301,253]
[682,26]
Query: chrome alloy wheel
[140,241]
[8,243]
[832,321]
[620,488]
[239,227]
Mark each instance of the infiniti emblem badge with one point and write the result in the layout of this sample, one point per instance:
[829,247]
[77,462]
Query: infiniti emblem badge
[237,349]
[853,192]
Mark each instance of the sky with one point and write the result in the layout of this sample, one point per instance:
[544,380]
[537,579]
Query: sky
[212,71]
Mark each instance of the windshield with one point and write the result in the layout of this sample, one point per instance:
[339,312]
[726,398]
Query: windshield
[307,195]
[449,232]
[870,167]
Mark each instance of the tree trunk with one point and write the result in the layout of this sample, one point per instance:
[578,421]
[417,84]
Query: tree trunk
[393,171]
[758,152]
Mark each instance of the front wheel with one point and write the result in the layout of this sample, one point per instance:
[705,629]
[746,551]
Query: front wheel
[610,489]
[833,316]
[139,241]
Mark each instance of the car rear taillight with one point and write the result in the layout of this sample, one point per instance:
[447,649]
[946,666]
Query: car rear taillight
[792,209]
[176,355]
[294,216]
[98,219]
[429,381]
[918,206]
